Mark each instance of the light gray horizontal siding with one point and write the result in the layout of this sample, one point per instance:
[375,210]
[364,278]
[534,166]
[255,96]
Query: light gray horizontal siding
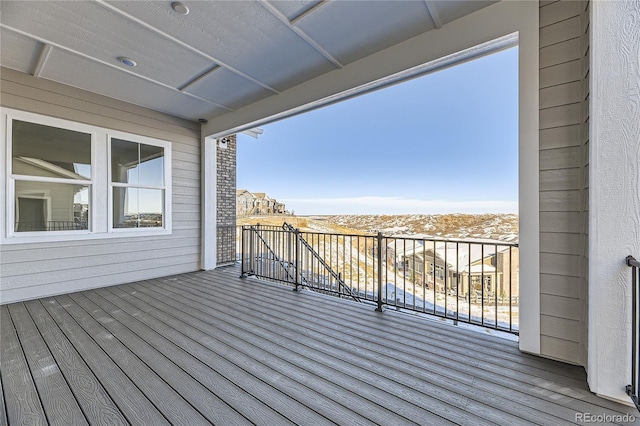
[38,269]
[562,180]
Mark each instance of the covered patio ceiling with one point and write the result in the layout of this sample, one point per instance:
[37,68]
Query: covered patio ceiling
[220,57]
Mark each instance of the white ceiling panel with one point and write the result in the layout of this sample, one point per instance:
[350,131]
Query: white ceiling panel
[228,89]
[241,34]
[78,71]
[351,30]
[223,55]
[98,32]
[294,9]
[18,52]
[451,10]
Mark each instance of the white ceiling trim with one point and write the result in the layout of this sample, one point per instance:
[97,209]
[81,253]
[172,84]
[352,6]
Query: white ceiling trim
[275,12]
[42,59]
[196,79]
[308,12]
[186,46]
[433,12]
[114,66]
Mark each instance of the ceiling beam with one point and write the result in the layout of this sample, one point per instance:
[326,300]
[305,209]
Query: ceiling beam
[186,45]
[42,59]
[199,77]
[433,12]
[275,12]
[308,12]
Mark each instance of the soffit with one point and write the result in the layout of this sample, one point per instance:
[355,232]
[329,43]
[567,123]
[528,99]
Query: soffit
[222,56]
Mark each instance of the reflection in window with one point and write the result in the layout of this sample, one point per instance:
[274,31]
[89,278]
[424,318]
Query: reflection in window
[45,151]
[51,172]
[47,206]
[137,207]
[137,179]
[136,164]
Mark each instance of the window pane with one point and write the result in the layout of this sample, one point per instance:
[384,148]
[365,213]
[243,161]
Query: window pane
[40,150]
[124,161]
[137,208]
[151,165]
[136,164]
[44,206]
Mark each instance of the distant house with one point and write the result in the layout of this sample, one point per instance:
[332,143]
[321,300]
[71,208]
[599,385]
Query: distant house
[264,204]
[486,275]
[245,202]
[278,208]
[257,203]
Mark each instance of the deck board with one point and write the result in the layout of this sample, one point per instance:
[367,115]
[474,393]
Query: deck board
[3,411]
[252,378]
[155,387]
[56,397]
[408,368]
[323,358]
[131,402]
[210,348]
[22,399]
[96,404]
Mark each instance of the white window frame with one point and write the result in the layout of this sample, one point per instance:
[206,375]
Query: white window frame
[100,219]
[166,214]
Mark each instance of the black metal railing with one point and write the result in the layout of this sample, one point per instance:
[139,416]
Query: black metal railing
[51,225]
[467,281]
[632,389]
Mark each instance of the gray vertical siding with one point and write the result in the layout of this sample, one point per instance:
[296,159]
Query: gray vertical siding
[34,270]
[563,179]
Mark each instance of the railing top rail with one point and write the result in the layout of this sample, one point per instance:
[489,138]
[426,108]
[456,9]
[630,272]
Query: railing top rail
[417,239]
[631,261]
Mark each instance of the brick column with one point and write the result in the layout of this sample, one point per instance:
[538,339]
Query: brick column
[226,202]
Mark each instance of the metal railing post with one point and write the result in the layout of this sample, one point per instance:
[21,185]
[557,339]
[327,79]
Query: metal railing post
[242,270]
[251,250]
[632,389]
[379,238]
[297,259]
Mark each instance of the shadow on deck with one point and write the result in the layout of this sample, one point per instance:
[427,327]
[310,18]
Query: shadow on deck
[208,347]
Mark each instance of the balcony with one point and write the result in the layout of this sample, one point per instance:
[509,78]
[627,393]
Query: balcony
[209,347]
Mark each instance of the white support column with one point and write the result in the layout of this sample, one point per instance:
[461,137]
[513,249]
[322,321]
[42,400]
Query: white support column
[529,175]
[614,191]
[209,212]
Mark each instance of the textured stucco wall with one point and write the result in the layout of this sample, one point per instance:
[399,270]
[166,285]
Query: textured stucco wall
[614,182]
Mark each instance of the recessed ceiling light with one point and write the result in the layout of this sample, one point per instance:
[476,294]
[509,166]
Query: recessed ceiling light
[127,61]
[180,8]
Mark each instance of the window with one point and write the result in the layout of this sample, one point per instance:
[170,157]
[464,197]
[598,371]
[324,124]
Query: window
[68,181]
[51,175]
[137,181]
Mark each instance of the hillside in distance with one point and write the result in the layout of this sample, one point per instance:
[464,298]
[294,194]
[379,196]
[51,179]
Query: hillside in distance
[503,227]
[494,226]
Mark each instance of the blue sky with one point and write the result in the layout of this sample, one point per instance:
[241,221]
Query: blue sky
[446,142]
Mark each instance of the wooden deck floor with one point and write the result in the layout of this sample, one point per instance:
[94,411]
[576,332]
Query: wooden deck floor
[208,347]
